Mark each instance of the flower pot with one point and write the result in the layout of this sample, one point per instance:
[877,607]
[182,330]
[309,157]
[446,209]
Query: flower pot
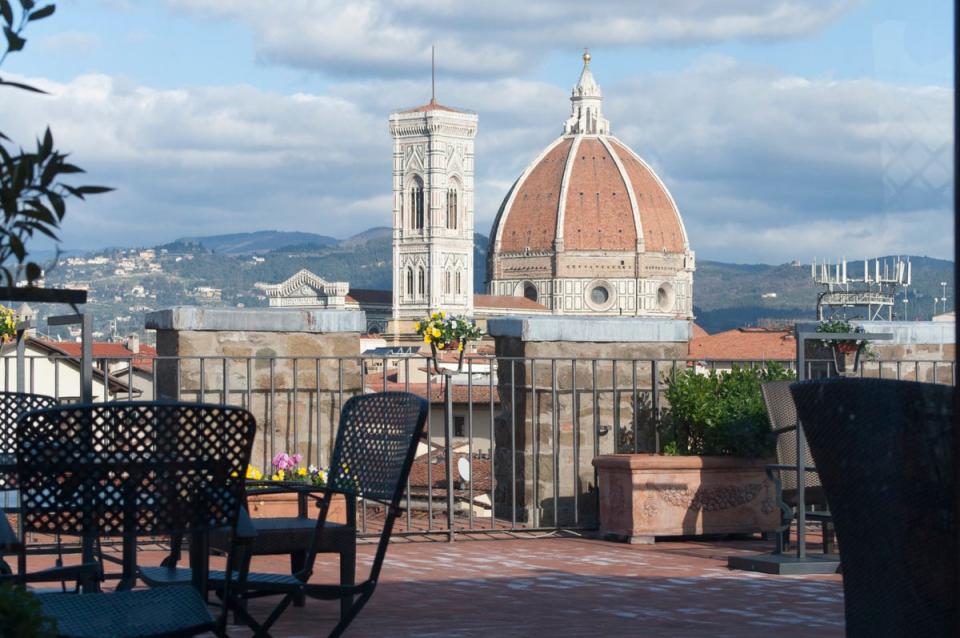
[643,496]
[285,505]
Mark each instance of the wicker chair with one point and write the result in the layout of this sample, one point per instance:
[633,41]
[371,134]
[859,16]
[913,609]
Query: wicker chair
[374,450]
[130,470]
[12,405]
[782,414]
[884,450]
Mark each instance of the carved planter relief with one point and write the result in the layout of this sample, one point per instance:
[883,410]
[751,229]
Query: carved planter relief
[643,496]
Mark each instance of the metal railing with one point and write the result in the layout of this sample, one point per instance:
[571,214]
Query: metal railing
[521,435]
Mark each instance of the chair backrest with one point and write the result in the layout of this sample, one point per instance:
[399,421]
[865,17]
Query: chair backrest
[138,468]
[376,443]
[884,450]
[12,405]
[782,413]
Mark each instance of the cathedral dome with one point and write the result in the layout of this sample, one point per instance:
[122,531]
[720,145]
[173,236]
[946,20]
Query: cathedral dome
[590,211]
[589,193]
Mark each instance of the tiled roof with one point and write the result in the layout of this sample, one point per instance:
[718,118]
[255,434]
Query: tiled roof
[361,295]
[745,344]
[142,360]
[507,301]
[479,472]
[432,105]
[597,210]
[698,331]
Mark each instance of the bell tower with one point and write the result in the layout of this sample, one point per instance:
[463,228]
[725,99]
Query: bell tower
[432,211]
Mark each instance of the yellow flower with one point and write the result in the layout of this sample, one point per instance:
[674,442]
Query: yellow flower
[426,338]
[416,326]
[441,314]
[302,471]
[276,477]
[254,473]
[460,347]
[435,332]
[440,346]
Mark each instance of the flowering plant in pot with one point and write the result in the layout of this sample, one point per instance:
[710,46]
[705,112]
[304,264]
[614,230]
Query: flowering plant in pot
[286,467]
[843,347]
[8,324]
[450,333]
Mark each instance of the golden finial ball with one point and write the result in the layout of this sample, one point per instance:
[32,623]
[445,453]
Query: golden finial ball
[586,56]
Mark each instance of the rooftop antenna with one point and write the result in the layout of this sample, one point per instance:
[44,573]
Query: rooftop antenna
[433,73]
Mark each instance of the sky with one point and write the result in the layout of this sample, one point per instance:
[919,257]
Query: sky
[784,129]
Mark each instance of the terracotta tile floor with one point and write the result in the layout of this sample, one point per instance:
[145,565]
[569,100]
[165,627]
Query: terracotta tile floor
[565,586]
[575,587]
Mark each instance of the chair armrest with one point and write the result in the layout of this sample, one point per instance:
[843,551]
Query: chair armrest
[8,538]
[245,530]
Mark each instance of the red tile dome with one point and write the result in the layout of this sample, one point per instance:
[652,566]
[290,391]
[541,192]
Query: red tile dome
[588,193]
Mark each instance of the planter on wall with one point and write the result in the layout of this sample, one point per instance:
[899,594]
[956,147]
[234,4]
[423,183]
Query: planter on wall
[643,496]
[285,505]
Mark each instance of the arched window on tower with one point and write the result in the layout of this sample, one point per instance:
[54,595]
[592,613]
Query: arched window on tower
[416,203]
[410,283]
[446,283]
[421,282]
[452,208]
[459,283]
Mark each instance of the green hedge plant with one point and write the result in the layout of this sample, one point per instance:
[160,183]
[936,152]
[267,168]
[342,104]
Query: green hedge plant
[21,614]
[720,414]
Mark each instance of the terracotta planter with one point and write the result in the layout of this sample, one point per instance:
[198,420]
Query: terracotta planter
[643,496]
[285,505]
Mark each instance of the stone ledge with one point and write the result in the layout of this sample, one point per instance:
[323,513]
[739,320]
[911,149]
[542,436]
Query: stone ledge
[904,332]
[592,329]
[256,320]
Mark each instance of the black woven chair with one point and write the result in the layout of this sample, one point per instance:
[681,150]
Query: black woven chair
[12,405]
[782,414]
[129,470]
[374,450]
[884,451]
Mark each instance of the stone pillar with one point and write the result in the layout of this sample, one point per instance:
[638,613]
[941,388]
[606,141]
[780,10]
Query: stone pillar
[290,368]
[571,389]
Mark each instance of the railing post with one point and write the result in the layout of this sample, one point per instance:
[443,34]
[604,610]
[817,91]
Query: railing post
[448,449]
[655,404]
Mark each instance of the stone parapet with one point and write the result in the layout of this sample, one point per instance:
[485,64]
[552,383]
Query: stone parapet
[291,368]
[571,389]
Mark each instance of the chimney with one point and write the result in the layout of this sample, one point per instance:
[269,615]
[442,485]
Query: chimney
[133,343]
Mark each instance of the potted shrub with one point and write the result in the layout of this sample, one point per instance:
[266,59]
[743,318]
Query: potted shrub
[844,349]
[21,614]
[275,495]
[447,333]
[710,478]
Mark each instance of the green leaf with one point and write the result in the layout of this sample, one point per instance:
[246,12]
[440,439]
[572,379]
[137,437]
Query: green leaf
[6,12]
[45,12]
[93,190]
[47,145]
[25,87]
[26,4]
[14,41]
[34,272]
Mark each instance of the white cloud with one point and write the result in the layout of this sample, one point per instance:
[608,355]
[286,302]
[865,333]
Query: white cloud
[494,37]
[764,166]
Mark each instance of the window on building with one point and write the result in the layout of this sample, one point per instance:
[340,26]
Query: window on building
[416,204]
[459,426]
[452,208]
[410,282]
[530,291]
[421,282]
[446,283]
[459,283]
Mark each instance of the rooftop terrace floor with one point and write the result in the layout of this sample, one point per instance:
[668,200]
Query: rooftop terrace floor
[570,586]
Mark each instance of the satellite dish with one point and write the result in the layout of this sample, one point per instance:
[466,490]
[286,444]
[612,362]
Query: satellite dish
[463,467]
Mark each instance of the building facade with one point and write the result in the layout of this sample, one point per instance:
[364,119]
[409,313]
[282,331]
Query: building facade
[589,228]
[432,210]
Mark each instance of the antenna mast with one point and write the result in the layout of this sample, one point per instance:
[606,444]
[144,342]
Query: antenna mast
[433,73]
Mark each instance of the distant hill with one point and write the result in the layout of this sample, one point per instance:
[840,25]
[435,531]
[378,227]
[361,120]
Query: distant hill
[725,295]
[257,242]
